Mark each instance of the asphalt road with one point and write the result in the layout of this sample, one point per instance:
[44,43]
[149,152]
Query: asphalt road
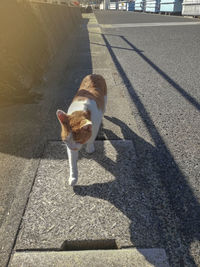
[115,17]
[160,67]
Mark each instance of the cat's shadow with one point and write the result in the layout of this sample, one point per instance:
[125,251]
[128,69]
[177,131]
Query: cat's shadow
[130,195]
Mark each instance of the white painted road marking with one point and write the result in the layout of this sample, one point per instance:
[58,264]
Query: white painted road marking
[156,24]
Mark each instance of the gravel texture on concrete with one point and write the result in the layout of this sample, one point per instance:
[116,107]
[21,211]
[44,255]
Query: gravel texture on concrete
[99,258]
[104,205]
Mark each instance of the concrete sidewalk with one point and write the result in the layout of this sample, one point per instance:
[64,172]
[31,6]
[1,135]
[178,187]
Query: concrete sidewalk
[109,205]
[95,214]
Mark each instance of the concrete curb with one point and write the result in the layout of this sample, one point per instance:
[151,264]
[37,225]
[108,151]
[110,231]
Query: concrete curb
[100,258]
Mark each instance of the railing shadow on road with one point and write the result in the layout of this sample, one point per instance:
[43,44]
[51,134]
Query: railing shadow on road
[118,47]
[174,84]
[179,231]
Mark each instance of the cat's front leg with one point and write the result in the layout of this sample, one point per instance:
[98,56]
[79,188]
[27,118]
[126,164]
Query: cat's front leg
[73,157]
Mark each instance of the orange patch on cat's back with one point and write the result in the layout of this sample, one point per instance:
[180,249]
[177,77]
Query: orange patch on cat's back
[93,87]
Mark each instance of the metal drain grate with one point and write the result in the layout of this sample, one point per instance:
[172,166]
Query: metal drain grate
[89,245]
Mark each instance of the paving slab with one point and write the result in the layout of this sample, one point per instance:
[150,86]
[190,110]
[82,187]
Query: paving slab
[3,258]
[106,204]
[99,258]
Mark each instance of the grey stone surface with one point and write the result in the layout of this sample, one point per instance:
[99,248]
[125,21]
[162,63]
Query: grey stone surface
[99,258]
[106,204]
[3,258]
[12,220]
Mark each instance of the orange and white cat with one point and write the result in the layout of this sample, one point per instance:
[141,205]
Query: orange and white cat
[80,125]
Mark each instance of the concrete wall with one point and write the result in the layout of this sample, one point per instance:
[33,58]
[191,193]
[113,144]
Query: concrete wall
[191,7]
[30,35]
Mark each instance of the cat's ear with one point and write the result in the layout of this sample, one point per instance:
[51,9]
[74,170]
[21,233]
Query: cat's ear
[62,116]
[87,126]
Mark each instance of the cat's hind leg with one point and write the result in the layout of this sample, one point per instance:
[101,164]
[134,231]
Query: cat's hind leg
[90,145]
[90,148]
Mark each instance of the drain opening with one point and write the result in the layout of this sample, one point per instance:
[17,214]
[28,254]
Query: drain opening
[89,245]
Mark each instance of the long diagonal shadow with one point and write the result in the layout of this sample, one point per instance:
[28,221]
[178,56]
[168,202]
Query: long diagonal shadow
[118,47]
[174,182]
[182,202]
[187,96]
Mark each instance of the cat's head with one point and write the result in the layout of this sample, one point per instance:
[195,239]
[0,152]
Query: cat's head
[76,129]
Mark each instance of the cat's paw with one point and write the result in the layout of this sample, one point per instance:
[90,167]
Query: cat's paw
[73,181]
[90,148]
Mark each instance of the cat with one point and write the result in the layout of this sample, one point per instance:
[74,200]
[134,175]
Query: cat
[80,125]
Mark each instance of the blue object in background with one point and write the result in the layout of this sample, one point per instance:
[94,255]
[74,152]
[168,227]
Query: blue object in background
[171,6]
[131,6]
